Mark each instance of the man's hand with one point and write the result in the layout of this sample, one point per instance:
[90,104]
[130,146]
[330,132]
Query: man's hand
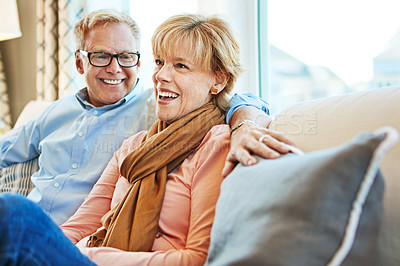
[250,139]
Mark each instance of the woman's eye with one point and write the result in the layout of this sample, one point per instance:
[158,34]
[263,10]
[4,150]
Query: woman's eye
[158,62]
[181,66]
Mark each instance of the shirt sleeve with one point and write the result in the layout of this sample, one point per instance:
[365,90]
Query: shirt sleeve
[245,99]
[20,144]
[209,162]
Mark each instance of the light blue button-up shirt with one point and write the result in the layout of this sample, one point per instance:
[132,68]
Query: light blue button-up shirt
[75,140]
[245,99]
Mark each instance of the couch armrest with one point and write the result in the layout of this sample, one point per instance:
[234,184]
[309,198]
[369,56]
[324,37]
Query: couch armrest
[30,110]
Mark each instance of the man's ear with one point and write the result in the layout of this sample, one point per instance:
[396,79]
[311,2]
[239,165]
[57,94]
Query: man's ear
[79,62]
[220,81]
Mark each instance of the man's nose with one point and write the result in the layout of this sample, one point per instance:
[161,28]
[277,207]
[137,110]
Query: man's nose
[114,67]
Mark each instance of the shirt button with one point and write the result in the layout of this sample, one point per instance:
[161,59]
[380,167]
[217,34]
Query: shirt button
[95,112]
[74,165]
[56,184]
[80,134]
[158,235]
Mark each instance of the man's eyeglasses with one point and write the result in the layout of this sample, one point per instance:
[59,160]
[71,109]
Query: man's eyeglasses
[100,59]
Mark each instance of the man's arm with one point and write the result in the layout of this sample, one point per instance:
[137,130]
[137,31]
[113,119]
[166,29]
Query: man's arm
[249,122]
[18,145]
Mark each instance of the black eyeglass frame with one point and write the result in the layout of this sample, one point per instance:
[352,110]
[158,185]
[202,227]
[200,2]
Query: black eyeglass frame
[88,55]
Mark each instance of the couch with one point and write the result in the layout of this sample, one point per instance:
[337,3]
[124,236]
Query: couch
[319,128]
[328,122]
[338,119]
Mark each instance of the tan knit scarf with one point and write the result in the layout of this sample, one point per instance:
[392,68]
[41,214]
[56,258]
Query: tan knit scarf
[133,224]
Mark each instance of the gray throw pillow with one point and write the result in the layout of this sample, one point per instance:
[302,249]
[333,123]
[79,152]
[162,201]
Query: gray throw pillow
[320,208]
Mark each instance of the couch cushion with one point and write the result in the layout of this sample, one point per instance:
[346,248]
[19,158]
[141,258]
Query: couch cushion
[327,122]
[30,110]
[311,209]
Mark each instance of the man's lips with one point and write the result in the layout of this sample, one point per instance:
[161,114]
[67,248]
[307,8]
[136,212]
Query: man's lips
[112,81]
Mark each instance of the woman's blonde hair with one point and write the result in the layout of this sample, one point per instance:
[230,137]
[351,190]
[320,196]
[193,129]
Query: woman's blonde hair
[212,44]
[104,17]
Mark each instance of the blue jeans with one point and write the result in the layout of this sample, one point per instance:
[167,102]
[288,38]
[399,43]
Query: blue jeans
[29,237]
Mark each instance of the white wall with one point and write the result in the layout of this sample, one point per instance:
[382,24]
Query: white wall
[241,15]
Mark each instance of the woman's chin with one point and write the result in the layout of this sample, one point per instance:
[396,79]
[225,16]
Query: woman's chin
[165,115]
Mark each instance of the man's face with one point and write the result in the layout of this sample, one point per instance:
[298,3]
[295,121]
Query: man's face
[107,85]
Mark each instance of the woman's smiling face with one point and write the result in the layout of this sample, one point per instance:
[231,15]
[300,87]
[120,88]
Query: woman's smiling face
[181,85]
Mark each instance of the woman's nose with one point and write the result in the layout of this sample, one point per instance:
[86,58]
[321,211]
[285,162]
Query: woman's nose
[163,73]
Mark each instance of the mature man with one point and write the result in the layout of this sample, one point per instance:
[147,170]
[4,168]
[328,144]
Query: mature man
[76,136]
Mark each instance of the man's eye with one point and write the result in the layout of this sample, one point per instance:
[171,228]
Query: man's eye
[125,56]
[100,56]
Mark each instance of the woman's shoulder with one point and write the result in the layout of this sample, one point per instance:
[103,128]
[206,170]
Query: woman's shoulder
[218,134]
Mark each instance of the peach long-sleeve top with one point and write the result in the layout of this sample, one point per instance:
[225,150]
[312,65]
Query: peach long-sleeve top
[186,216]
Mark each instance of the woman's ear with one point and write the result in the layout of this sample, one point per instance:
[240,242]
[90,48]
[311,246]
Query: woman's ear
[79,62]
[220,81]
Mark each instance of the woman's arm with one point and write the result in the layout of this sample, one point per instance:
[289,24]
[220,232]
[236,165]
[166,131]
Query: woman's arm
[245,138]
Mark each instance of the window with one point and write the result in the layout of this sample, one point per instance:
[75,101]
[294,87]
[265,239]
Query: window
[322,48]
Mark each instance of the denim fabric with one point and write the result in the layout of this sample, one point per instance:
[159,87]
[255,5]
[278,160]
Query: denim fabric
[29,237]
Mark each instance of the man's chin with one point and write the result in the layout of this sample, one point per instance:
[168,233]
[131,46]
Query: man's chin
[114,97]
